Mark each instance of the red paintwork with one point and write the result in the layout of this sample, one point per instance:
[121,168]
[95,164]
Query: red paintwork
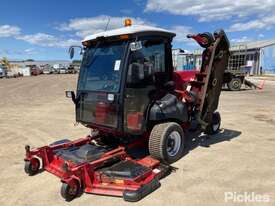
[182,78]
[134,120]
[85,174]
[101,112]
[198,38]
[149,162]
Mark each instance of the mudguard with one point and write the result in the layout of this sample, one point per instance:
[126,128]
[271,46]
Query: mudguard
[168,107]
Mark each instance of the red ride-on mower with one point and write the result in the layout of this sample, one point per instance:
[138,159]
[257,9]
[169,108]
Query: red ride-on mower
[138,109]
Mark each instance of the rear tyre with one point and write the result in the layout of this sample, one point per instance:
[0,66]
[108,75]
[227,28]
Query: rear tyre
[214,127]
[166,142]
[235,84]
[32,166]
[69,192]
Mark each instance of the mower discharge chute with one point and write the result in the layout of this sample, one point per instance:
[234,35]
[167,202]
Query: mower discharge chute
[138,109]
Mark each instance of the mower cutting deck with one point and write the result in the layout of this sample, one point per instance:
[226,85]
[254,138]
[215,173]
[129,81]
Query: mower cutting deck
[96,169]
[129,95]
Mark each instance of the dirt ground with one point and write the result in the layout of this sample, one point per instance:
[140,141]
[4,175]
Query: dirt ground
[34,110]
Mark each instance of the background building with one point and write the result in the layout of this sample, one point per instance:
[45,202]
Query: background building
[259,56]
[255,58]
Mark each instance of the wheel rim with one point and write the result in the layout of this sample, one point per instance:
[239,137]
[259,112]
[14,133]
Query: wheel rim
[34,165]
[72,190]
[216,127]
[236,84]
[216,122]
[173,143]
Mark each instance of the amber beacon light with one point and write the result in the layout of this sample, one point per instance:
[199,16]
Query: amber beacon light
[127,22]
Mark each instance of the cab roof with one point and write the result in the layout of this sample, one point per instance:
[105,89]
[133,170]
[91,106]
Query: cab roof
[134,29]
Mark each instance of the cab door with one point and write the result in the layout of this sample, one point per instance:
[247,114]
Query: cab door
[145,73]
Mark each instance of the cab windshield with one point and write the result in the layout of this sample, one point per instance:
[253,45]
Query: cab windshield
[101,67]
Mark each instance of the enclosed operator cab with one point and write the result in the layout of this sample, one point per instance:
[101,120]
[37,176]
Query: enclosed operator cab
[122,72]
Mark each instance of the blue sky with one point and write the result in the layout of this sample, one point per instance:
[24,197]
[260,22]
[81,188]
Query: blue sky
[43,30]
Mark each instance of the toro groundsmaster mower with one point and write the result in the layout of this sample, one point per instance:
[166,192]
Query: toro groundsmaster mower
[138,110]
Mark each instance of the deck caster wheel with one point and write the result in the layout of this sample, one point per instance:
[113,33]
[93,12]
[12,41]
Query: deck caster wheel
[166,142]
[32,166]
[214,127]
[70,191]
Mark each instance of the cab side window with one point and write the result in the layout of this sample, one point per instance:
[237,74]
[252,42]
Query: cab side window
[147,65]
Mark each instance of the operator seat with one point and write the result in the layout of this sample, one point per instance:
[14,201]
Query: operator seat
[82,154]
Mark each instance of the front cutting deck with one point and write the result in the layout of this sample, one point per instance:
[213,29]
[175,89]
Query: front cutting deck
[82,164]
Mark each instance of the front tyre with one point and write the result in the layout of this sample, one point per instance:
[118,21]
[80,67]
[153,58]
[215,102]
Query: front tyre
[166,142]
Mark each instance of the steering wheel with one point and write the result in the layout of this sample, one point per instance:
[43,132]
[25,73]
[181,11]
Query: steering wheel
[110,85]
